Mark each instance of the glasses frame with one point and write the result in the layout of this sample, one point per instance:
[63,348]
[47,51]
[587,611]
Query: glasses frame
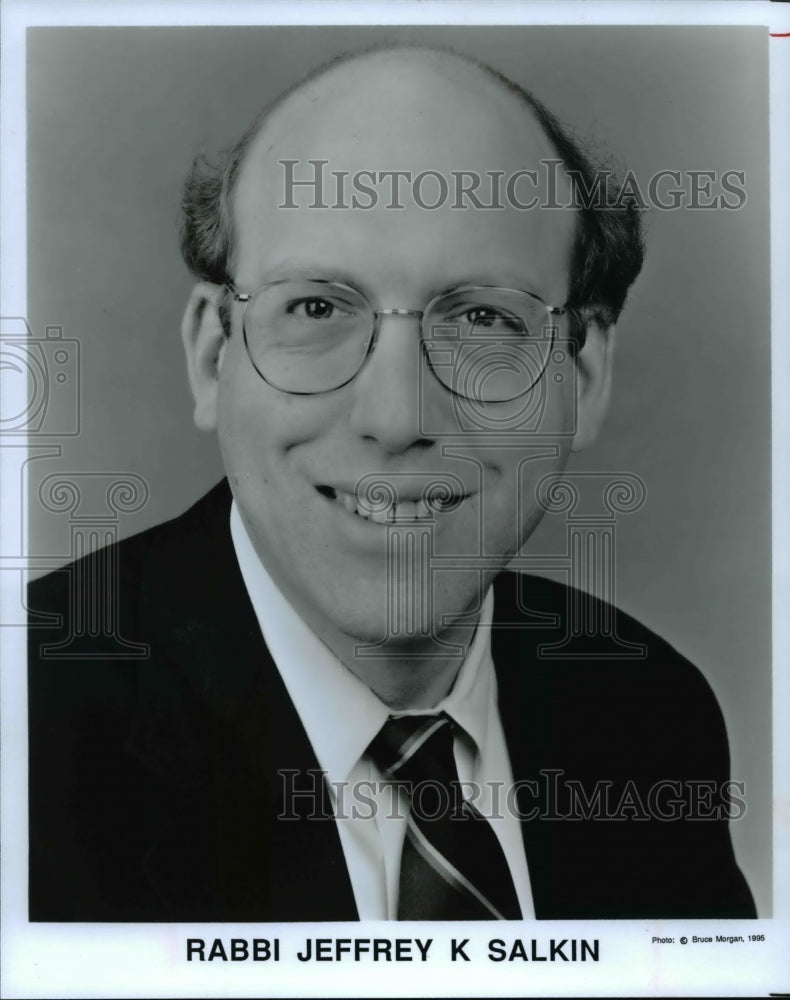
[244,298]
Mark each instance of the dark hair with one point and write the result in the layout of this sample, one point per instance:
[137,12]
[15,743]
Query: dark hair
[608,247]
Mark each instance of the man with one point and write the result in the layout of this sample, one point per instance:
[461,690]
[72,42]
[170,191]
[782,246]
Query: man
[391,380]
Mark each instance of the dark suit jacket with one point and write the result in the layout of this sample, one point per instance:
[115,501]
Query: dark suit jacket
[154,786]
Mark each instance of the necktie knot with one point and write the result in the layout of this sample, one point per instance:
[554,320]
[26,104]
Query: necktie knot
[452,865]
[415,748]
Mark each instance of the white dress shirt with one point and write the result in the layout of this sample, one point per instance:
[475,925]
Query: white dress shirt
[341,715]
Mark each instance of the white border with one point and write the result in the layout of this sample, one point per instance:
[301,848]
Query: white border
[416,12]
[77,960]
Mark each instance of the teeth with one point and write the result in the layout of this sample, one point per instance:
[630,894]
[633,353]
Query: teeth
[422,509]
[405,510]
[401,510]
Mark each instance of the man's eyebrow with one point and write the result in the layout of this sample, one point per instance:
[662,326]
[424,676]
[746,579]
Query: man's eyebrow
[319,272]
[481,280]
[309,271]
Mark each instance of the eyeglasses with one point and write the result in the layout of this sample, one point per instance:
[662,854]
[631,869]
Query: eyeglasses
[310,336]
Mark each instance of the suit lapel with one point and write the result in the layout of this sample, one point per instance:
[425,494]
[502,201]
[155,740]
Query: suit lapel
[215,725]
[217,733]
[568,721]
[527,697]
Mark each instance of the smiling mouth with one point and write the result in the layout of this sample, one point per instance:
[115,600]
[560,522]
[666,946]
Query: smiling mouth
[397,511]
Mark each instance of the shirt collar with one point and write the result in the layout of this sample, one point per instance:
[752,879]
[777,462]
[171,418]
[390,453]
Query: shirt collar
[340,714]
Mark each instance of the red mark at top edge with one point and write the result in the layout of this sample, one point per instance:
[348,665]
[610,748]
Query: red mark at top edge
[779,34]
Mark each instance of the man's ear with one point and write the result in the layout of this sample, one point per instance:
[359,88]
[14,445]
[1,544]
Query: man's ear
[593,384]
[204,345]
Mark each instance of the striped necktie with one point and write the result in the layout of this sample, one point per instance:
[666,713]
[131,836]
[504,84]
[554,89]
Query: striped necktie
[453,866]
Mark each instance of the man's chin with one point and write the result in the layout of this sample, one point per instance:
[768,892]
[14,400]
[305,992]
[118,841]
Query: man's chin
[369,626]
[401,622]
[385,642]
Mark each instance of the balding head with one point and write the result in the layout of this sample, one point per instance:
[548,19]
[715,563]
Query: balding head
[416,95]
[428,116]
[404,101]
[328,363]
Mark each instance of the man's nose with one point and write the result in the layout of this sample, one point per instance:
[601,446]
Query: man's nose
[392,390]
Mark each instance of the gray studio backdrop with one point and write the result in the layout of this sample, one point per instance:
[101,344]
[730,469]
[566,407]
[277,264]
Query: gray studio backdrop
[115,116]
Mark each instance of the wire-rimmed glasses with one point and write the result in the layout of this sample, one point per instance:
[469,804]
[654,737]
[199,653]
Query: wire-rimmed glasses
[309,336]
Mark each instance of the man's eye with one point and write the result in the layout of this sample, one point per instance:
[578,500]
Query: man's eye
[483,316]
[488,317]
[313,308]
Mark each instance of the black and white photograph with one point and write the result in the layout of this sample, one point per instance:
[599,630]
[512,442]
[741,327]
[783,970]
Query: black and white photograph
[387,504]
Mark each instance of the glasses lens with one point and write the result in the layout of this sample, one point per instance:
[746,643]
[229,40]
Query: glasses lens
[307,336]
[488,344]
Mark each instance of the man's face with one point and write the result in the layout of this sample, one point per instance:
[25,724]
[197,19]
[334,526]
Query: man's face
[293,460]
